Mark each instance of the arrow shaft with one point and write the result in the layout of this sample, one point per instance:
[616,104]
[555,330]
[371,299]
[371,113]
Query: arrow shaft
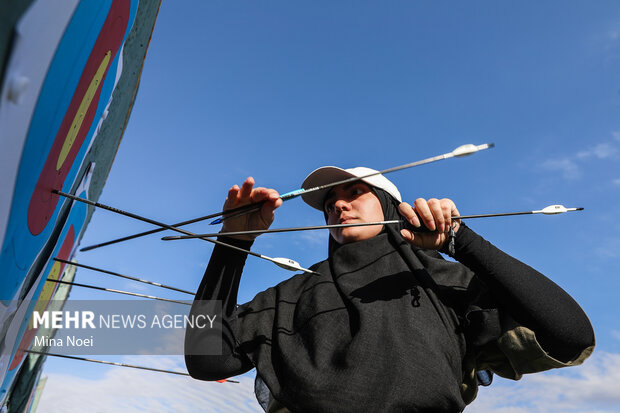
[276,230]
[156,230]
[503,214]
[88,267]
[111,363]
[359,224]
[149,221]
[290,195]
[111,290]
[165,226]
[294,194]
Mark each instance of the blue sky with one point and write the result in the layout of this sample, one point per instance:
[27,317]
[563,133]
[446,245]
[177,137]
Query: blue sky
[275,90]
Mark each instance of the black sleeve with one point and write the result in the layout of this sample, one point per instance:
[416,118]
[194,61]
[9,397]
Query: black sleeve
[561,326]
[220,282]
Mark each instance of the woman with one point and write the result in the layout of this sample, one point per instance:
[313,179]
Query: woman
[389,325]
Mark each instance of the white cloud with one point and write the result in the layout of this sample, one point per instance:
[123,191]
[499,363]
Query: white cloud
[608,248]
[567,167]
[600,151]
[130,390]
[570,166]
[611,37]
[608,252]
[616,182]
[314,238]
[591,388]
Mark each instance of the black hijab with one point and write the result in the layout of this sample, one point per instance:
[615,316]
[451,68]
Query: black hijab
[381,329]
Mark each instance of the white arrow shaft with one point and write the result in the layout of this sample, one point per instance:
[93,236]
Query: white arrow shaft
[458,152]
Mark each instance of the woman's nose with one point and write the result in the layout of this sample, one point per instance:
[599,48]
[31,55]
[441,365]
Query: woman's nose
[341,205]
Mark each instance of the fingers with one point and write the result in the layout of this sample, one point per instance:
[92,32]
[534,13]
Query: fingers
[430,213]
[436,214]
[442,213]
[248,194]
[264,194]
[454,212]
[239,196]
[246,190]
[407,235]
[231,198]
[409,214]
[274,198]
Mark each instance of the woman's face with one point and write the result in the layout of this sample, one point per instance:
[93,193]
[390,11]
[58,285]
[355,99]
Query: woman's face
[353,203]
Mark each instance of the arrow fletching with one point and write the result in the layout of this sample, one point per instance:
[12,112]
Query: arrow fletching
[465,150]
[555,209]
[291,265]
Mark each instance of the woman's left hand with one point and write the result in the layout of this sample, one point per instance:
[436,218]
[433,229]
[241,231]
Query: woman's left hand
[436,215]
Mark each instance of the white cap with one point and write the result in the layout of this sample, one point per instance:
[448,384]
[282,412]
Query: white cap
[330,174]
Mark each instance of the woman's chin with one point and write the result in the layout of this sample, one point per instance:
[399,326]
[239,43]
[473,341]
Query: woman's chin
[355,234]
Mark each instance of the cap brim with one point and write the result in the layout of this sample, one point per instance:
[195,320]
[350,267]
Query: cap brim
[322,176]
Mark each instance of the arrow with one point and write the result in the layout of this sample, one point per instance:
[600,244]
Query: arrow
[88,267]
[550,210]
[461,151]
[285,263]
[275,230]
[111,363]
[152,231]
[111,290]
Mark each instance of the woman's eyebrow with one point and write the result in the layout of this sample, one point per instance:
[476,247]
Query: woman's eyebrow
[330,193]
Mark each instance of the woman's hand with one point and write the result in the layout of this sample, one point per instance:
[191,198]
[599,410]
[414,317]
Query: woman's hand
[436,215]
[257,220]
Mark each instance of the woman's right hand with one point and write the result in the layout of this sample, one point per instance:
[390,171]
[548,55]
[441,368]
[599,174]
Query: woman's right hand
[257,220]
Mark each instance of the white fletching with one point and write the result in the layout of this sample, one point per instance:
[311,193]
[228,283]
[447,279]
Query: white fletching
[468,149]
[553,209]
[289,264]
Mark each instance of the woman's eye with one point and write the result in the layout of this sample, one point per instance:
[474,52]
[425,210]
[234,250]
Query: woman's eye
[329,208]
[358,191]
